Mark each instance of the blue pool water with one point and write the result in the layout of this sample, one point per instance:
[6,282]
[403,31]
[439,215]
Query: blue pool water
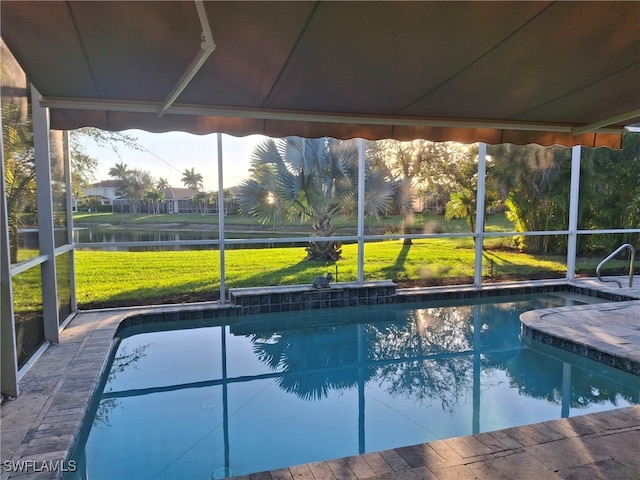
[269,391]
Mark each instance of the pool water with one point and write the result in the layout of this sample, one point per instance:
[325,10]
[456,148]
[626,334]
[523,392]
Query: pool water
[269,391]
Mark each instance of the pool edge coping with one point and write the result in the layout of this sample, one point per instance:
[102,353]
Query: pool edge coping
[551,326]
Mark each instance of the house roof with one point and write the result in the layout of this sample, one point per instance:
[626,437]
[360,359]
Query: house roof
[519,72]
[106,184]
[172,193]
[99,197]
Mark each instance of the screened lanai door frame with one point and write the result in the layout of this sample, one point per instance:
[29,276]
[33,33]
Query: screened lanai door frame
[175,61]
[48,251]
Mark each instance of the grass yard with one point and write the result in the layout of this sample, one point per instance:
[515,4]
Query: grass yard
[129,278]
[119,278]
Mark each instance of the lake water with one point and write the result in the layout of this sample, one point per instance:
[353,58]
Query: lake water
[115,235]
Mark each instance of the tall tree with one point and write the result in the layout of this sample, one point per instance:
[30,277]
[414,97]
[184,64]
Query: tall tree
[17,137]
[301,179]
[154,197]
[462,177]
[191,179]
[133,184]
[535,183]
[610,194]
[413,165]
[136,185]
[83,165]
[119,171]
[83,168]
[162,183]
[114,141]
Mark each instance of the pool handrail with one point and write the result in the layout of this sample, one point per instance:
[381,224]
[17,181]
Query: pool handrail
[612,255]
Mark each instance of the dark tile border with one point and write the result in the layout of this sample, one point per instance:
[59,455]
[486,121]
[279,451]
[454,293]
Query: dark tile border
[262,300]
[292,298]
[577,330]
[625,364]
[468,292]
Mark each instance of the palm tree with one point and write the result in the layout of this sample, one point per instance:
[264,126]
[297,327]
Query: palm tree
[162,183]
[119,171]
[17,137]
[153,198]
[301,179]
[462,205]
[313,362]
[191,179]
[201,200]
[535,182]
[462,178]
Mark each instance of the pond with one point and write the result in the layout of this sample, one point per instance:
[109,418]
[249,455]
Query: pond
[28,238]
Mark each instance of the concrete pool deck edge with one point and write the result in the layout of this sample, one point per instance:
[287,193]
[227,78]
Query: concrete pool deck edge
[604,333]
[43,423]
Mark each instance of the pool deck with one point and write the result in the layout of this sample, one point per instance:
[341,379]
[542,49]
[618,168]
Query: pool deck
[40,425]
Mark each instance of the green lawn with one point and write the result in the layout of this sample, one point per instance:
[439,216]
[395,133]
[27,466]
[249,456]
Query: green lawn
[121,278]
[111,278]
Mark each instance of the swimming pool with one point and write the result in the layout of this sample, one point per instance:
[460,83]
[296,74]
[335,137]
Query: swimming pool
[267,391]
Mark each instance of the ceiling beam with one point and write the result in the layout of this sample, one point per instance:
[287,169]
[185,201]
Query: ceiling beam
[606,122]
[67,103]
[206,48]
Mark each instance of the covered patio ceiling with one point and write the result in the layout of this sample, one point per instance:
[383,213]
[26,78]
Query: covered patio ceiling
[499,72]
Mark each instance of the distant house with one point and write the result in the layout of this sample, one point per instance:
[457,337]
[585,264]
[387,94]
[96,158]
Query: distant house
[177,200]
[103,193]
[180,200]
[430,203]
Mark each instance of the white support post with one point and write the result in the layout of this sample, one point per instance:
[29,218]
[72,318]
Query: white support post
[574,198]
[8,351]
[45,217]
[361,200]
[479,237]
[221,219]
[67,182]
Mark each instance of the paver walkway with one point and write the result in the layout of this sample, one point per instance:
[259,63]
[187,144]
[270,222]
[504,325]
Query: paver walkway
[589,447]
[38,428]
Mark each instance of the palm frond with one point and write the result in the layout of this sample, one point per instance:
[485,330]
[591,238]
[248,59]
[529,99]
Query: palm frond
[379,193]
[293,150]
[266,152]
[256,201]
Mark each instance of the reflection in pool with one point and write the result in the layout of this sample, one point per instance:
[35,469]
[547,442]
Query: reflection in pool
[270,391]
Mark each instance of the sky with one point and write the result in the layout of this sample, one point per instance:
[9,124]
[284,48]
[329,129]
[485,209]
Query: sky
[167,155]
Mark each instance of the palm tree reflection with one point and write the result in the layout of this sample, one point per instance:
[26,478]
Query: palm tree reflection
[427,354]
[411,356]
[122,361]
[313,361]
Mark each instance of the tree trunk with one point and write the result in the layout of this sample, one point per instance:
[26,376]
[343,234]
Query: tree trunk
[323,251]
[13,243]
[407,228]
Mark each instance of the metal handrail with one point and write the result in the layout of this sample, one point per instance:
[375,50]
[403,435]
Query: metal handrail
[616,252]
